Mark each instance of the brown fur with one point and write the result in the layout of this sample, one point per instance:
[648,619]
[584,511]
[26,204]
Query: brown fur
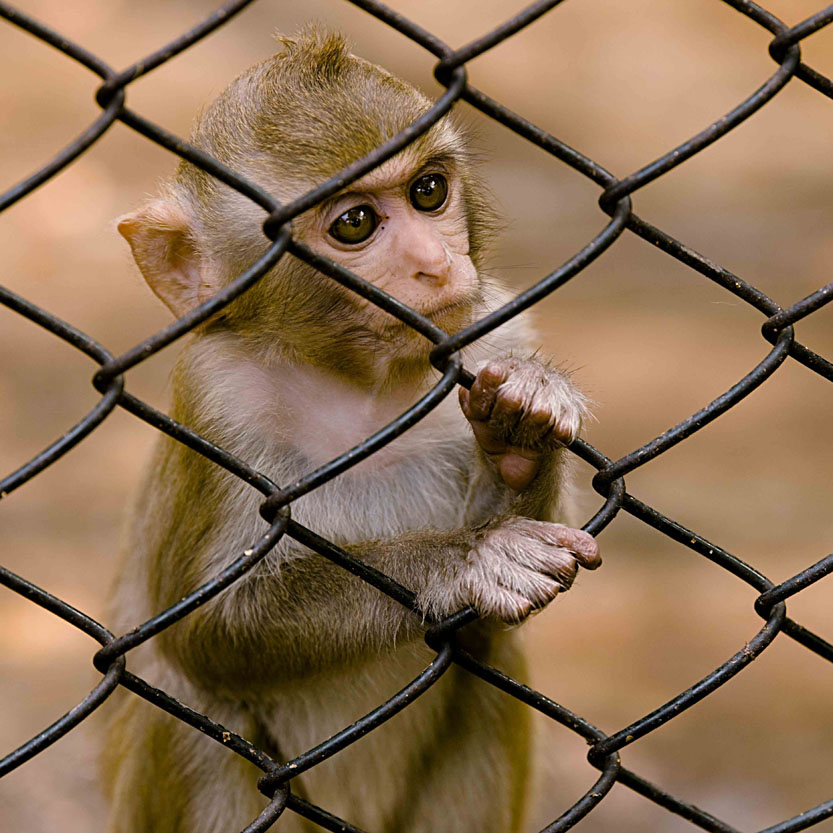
[289,375]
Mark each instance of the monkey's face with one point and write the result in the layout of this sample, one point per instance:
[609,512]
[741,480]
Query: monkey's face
[403,227]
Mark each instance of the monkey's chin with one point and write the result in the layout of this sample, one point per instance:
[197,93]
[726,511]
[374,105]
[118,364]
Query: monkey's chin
[405,347]
[451,318]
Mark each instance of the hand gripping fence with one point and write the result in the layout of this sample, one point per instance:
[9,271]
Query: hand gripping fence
[609,482]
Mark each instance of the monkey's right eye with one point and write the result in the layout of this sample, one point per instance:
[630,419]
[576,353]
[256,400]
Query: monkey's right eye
[355,225]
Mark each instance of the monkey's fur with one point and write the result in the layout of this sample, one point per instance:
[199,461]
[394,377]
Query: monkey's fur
[289,375]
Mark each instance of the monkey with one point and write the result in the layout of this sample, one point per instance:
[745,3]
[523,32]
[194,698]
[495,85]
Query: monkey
[470,507]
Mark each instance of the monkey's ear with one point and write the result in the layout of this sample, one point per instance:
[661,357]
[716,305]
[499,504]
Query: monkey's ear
[166,253]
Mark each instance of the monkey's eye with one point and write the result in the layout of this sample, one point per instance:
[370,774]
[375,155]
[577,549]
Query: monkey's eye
[429,192]
[355,225]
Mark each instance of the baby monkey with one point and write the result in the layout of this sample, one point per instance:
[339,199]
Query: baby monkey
[463,509]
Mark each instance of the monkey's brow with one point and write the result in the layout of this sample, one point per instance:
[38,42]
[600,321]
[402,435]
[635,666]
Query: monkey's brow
[443,161]
[382,177]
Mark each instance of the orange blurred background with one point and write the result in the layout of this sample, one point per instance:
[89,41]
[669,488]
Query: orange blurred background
[652,341]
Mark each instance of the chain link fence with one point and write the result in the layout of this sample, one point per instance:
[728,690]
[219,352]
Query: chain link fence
[615,201]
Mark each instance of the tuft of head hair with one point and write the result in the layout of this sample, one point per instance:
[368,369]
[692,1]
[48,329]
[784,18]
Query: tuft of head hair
[304,114]
[297,118]
[320,56]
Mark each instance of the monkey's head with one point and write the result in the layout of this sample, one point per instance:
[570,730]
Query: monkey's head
[414,227]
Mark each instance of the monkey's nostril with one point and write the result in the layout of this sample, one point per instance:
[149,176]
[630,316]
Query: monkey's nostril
[438,278]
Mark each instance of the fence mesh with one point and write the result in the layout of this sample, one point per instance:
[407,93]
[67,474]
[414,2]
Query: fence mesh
[109,380]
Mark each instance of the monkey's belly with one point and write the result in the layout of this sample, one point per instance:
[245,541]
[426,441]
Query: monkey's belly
[455,759]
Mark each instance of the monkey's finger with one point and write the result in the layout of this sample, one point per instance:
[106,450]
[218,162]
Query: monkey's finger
[565,428]
[564,569]
[501,601]
[580,543]
[534,429]
[484,390]
[509,407]
[489,440]
[463,398]
[513,606]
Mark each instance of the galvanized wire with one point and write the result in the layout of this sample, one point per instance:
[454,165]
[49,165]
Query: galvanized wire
[614,200]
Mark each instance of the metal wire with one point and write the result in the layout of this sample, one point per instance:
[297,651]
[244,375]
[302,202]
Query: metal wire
[614,199]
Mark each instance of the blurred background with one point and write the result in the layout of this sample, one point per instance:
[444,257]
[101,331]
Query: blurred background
[651,341]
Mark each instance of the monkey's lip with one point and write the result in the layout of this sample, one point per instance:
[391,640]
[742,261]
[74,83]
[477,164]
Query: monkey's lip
[462,304]
[450,306]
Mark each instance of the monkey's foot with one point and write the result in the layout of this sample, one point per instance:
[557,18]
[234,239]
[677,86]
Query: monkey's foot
[521,565]
[518,410]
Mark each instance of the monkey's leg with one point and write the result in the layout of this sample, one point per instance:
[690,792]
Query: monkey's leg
[470,771]
[308,615]
[167,777]
[453,761]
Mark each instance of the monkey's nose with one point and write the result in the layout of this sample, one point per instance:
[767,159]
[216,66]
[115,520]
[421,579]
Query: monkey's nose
[433,264]
[424,253]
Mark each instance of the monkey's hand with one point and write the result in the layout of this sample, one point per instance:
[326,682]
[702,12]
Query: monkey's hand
[519,410]
[520,565]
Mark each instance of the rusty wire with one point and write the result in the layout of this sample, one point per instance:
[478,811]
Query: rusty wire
[614,200]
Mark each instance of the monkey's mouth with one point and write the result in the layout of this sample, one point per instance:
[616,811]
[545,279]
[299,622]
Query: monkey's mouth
[451,316]
[462,304]
[439,312]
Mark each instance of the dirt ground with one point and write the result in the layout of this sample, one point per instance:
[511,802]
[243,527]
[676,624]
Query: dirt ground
[651,342]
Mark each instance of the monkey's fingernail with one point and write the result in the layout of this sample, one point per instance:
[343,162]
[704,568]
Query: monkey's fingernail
[480,403]
[519,614]
[539,417]
[581,544]
[589,556]
[493,375]
[463,397]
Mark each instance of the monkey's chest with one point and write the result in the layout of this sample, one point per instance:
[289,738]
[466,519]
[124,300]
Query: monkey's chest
[410,494]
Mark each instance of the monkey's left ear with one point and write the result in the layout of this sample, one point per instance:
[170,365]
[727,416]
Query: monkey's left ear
[167,255]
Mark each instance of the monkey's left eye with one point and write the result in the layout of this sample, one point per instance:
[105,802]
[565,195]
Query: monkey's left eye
[429,192]
[355,225]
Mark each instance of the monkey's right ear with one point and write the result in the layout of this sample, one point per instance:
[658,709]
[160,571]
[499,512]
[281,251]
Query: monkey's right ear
[166,253]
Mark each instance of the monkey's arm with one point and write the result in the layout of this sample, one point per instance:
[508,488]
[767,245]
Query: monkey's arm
[306,614]
[299,612]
